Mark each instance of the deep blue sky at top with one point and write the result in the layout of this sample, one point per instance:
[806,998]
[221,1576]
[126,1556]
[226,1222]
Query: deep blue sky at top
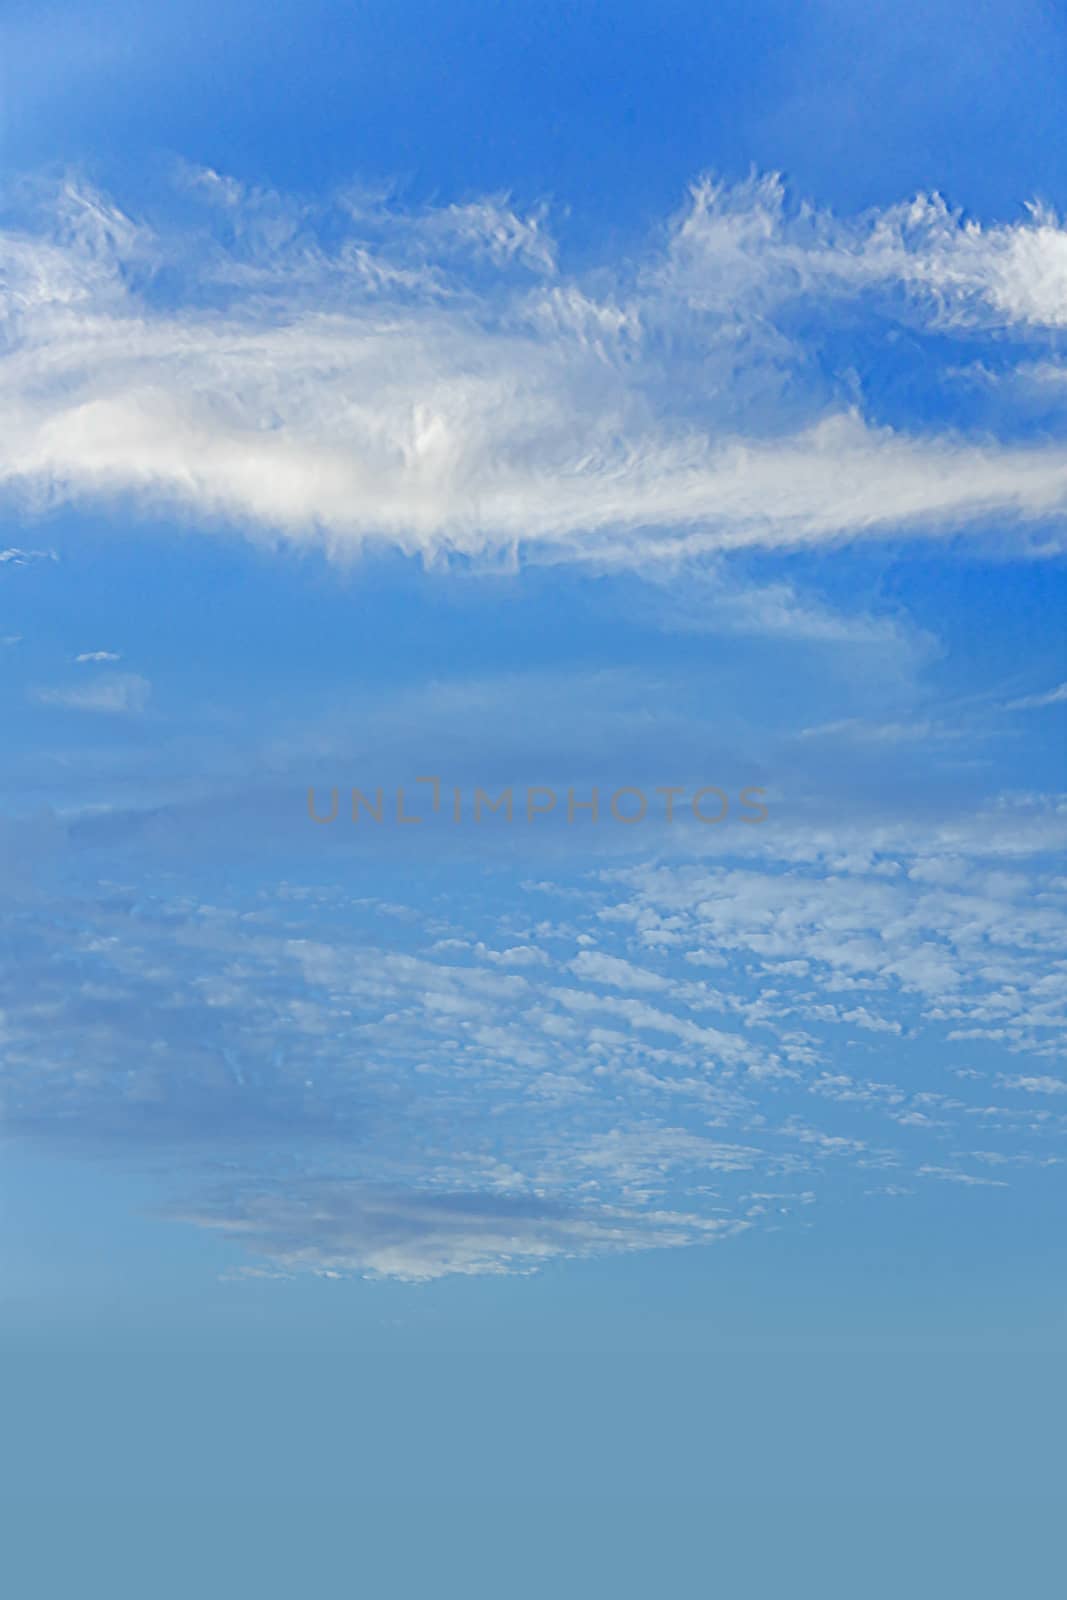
[606,112]
[607,109]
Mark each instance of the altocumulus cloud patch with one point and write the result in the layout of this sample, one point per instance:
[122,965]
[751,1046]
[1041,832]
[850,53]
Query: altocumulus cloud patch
[700,1049]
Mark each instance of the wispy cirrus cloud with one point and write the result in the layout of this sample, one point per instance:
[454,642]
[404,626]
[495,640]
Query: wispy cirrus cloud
[14,557]
[1035,702]
[434,379]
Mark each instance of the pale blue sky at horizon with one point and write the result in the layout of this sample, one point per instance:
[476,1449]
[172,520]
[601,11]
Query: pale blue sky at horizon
[580,397]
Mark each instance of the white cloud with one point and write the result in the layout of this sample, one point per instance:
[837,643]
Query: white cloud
[22,558]
[977,950]
[742,243]
[97,655]
[953,1175]
[596,967]
[519,955]
[436,382]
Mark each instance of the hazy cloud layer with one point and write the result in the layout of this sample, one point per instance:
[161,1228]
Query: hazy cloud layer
[640,1056]
[119,693]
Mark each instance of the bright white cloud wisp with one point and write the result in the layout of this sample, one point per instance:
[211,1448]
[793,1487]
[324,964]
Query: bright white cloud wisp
[434,379]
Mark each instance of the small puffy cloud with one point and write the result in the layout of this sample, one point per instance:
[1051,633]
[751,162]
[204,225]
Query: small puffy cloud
[595,967]
[517,955]
[97,655]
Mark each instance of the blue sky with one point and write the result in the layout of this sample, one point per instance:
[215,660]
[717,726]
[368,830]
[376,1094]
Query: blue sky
[581,398]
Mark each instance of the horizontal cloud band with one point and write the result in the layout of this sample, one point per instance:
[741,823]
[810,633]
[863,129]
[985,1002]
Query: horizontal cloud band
[435,381]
